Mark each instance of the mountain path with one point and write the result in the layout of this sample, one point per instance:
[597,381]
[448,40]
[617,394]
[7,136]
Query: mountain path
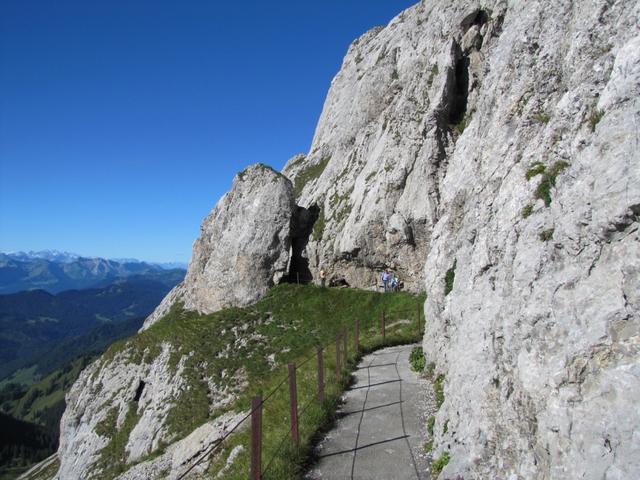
[381,426]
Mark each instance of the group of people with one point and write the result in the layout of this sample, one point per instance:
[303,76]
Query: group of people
[391,282]
[389,279]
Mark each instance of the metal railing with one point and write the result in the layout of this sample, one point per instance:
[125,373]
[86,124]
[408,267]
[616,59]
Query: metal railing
[295,412]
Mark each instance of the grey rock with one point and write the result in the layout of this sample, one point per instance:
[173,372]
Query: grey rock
[539,340]
[243,248]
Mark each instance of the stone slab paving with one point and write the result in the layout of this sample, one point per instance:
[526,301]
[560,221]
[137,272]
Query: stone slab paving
[380,429]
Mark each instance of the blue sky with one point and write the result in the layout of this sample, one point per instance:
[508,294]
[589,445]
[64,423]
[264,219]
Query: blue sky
[123,122]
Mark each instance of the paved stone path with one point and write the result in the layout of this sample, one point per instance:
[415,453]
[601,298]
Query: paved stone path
[378,432]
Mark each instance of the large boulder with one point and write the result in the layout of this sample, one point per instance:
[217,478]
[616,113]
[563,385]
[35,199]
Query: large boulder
[243,248]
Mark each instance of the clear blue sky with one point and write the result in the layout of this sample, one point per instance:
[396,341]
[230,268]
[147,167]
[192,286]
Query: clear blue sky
[122,122]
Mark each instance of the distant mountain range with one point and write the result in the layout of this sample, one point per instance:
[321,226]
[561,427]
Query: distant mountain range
[55,271]
[52,326]
[58,256]
[33,322]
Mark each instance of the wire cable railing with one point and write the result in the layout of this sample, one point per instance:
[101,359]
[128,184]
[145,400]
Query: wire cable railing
[259,402]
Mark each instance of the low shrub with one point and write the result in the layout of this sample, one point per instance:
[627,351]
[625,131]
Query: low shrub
[417,360]
[449,278]
[431,422]
[546,235]
[438,387]
[438,465]
[595,118]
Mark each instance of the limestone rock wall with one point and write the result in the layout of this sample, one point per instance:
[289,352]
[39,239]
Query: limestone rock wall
[539,337]
[381,147]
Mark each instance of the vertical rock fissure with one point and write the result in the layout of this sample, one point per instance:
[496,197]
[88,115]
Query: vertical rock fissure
[139,391]
[302,225]
[459,88]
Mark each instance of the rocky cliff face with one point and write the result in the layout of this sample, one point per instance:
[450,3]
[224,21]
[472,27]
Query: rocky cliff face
[497,143]
[488,151]
[537,331]
[243,248]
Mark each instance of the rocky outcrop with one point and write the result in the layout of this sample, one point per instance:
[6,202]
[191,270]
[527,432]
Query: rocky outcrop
[243,248]
[104,397]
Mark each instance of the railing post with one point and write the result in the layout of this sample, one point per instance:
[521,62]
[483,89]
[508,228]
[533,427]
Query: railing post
[320,375]
[338,367]
[382,327]
[293,402]
[345,349]
[256,438]
[356,339]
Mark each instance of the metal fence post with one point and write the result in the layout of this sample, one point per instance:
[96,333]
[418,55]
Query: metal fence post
[256,438]
[320,375]
[293,402]
[382,327]
[338,367]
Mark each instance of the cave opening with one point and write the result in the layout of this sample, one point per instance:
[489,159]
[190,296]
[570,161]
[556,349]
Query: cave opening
[139,391]
[477,18]
[459,90]
[301,228]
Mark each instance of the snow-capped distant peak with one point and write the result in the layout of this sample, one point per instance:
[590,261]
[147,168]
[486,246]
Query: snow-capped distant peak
[51,255]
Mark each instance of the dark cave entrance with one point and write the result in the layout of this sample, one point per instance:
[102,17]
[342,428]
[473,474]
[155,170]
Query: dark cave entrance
[301,228]
[139,391]
[459,91]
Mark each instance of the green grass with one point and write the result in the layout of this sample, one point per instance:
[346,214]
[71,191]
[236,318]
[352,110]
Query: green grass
[46,473]
[289,323]
[595,118]
[308,174]
[438,465]
[427,447]
[43,402]
[417,360]
[431,422]
[547,234]
[461,125]
[548,181]
[537,168]
[449,278]
[438,387]
[24,376]
[113,456]
[527,210]
[262,166]
[542,117]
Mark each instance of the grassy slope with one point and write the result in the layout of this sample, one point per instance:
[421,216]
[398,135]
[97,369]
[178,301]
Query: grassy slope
[41,404]
[289,323]
[43,398]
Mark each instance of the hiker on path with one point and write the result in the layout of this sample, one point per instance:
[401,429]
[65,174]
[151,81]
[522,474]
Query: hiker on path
[323,277]
[385,279]
[394,282]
